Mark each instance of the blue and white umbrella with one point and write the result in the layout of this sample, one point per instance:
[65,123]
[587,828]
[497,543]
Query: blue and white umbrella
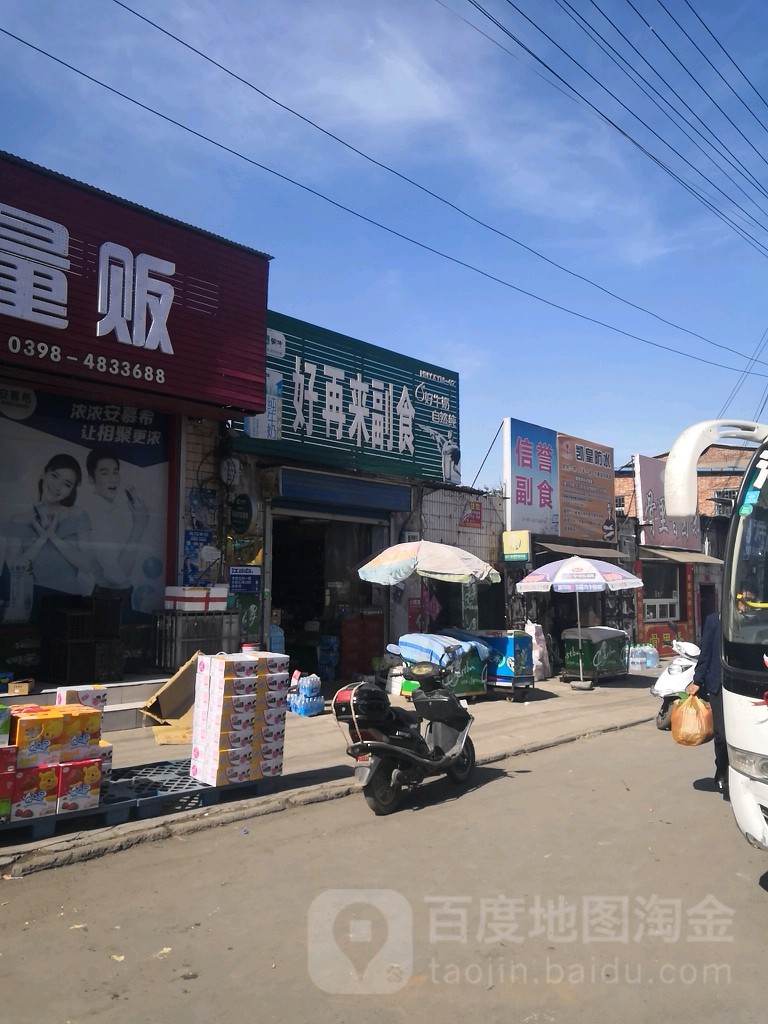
[578,575]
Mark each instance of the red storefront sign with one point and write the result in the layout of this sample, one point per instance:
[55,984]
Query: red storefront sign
[472,515]
[105,294]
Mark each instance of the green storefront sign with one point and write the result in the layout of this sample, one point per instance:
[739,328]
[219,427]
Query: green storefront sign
[337,401]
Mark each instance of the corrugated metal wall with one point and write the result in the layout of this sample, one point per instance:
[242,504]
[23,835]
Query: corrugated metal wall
[443,512]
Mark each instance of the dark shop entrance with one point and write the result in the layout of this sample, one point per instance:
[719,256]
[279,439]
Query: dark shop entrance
[333,622]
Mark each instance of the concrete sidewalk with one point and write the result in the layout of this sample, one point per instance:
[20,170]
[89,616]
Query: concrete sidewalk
[316,766]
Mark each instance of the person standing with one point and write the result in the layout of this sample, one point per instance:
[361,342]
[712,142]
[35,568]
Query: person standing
[708,684]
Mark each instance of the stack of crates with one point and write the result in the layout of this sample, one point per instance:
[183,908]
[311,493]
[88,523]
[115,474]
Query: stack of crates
[73,645]
[83,642]
[109,656]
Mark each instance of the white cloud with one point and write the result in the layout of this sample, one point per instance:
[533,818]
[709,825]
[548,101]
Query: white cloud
[401,80]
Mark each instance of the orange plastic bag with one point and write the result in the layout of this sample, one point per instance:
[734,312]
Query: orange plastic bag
[691,722]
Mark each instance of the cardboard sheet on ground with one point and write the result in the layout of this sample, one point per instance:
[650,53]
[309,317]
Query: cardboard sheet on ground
[172,706]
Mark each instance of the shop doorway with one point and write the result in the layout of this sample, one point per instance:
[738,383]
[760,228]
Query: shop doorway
[708,601]
[315,587]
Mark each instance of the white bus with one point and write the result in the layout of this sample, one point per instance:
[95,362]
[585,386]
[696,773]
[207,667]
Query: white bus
[744,639]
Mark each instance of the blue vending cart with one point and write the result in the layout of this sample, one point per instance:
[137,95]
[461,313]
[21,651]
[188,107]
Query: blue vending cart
[510,665]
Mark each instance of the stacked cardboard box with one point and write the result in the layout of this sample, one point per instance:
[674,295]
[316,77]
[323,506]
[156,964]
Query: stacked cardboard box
[7,764]
[238,723]
[56,758]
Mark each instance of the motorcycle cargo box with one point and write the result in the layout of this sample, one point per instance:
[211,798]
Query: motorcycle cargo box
[440,706]
[364,703]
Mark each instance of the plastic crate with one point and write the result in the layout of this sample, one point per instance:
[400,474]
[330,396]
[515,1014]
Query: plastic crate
[107,612]
[73,661]
[72,624]
[109,661]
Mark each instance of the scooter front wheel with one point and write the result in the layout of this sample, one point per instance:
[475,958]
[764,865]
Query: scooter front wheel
[664,717]
[381,794]
[463,767]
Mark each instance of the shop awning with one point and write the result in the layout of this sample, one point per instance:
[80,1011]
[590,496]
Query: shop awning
[691,557]
[571,549]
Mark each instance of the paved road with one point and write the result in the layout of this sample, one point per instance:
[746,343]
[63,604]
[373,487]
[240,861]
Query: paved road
[596,881]
[316,765]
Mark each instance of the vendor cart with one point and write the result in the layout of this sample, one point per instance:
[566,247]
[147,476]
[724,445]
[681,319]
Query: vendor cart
[594,652]
[467,661]
[509,660]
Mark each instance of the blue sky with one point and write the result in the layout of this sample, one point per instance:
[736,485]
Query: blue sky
[418,86]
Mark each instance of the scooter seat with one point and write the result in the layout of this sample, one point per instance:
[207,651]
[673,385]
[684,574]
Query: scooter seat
[406,719]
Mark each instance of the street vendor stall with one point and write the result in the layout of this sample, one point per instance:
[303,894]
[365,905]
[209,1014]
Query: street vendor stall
[603,653]
[509,661]
[467,661]
[578,575]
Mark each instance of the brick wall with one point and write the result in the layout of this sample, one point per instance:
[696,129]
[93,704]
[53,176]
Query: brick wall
[730,459]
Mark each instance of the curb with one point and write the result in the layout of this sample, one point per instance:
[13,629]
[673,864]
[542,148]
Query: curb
[81,847]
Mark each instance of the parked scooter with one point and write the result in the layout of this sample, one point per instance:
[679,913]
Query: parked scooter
[391,752]
[674,679]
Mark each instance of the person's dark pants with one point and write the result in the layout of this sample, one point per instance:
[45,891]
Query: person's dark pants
[718,721]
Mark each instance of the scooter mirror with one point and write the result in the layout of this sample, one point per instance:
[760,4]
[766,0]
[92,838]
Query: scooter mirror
[394,649]
[687,649]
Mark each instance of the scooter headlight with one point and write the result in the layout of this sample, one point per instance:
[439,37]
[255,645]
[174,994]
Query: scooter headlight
[754,766]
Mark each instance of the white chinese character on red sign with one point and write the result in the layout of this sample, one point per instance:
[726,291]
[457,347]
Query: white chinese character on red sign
[129,294]
[34,253]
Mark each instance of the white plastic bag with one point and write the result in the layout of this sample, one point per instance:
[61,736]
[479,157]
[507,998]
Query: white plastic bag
[541,666]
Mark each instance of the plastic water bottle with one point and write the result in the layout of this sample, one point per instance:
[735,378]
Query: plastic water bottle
[652,657]
[637,661]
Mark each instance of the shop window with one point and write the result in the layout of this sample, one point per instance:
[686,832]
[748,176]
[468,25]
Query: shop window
[661,592]
[724,501]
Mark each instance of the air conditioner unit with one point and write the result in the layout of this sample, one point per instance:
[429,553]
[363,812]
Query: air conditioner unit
[411,536]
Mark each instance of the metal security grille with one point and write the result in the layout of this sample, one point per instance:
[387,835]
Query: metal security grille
[181,634]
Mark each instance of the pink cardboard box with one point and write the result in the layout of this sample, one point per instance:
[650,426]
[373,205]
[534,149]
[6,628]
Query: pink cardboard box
[264,769]
[91,696]
[228,767]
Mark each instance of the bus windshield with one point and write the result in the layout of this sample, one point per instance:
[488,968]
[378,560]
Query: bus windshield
[745,601]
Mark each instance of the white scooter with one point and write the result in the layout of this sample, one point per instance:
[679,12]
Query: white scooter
[674,679]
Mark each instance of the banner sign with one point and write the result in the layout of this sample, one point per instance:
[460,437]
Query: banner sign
[100,290]
[337,401]
[586,490]
[84,506]
[659,530]
[532,478]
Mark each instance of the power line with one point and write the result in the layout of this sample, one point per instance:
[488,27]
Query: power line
[410,181]
[608,120]
[369,220]
[709,96]
[722,48]
[713,142]
[575,96]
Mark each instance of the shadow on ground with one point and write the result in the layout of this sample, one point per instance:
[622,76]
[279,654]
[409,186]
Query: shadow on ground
[442,790]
